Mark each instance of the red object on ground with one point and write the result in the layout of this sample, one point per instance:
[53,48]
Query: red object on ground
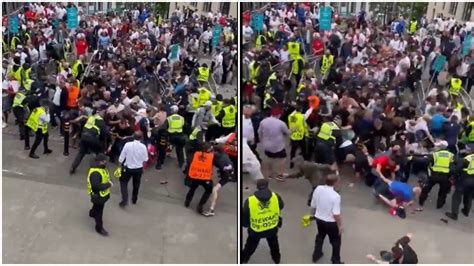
[392,211]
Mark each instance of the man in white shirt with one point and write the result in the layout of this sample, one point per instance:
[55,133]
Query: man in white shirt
[326,207]
[132,157]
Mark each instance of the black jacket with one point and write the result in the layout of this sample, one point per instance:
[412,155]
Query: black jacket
[96,181]
[263,196]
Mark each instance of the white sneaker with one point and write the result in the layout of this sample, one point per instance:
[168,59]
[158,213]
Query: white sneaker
[4,125]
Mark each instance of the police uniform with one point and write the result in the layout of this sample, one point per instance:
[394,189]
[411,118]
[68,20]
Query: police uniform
[464,184]
[98,187]
[326,140]
[19,112]
[297,127]
[440,174]
[326,64]
[455,87]
[297,67]
[228,119]
[92,135]
[77,69]
[204,95]
[174,124]
[200,174]
[261,215]
[38,123]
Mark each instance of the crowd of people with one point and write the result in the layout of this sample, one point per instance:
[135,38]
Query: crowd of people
[128,86]
[364,98]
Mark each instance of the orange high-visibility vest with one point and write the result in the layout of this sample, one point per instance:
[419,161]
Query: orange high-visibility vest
[201,166]
[72,96]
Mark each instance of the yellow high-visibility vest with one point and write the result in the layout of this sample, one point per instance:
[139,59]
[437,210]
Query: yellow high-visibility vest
[470,168]
[216,108]
[326,63]
[296,125]
[204,95]
[105,179]
[264,217]
[175,123]
[295,67]
[203,74]
[228,121]
[325,132]
[91,123]
[442,160]
[75,68]
[294,49]
[18,100]
[456,85]
[33,121]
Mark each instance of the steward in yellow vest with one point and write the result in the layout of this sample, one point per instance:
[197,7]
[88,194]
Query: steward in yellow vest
[77,68]
[217,104]
[227,117]
[261,215]
[254,71]
[38,123]
[326,63]
[297,126]
[293,49]
[175,124]
[413,25]
[260,41]
[204,95]
[464,184]
[440,174]
[455,86]
[203,74]
[98,188]
[19,111]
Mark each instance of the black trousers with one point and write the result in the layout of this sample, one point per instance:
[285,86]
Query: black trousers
[87,145]
[39,137]
[19,113]
[136,176]
[56,112]
[97,212]
[252,243]
[161,155]
[295,144]
[193,185]
[464,193]
[178,141]
[440,179]
[330,229]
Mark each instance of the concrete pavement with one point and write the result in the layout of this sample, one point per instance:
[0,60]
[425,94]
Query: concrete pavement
[368,228]
[45,215]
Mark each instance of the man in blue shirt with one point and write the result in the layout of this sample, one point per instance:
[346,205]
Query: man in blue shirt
[398,195]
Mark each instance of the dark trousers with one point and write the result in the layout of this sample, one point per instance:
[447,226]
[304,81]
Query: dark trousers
[252,243]
[40,137]
[444,187]
[87,145]
[295,144]
[193,185]
[330,229]
[136,176]
[227,130]
[161,155]
[464,192]
[56,113]
[27,136]
[19,113]
[97,212]
[177,140]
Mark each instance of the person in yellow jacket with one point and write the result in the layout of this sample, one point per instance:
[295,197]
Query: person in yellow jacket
[455,86]
[202,74]
[78,67]
[260,41]
[413,25]
[14,42]
[38,123]
[328,137]
[254,71]
[441,170]
[297,67]
[18,108]
[227,117]
[98,188]
[464,184]
[204,95]
[297,126]
[261,214]
[326,62]
[294,48]
[217,103]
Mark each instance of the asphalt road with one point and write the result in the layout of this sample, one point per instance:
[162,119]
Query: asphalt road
[368,228]
[45,215]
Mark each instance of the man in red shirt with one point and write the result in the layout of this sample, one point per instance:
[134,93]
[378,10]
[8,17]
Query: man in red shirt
[81,45]
[317,45]
[380,167]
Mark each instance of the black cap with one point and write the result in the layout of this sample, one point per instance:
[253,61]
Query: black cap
[262,184]
[100,157]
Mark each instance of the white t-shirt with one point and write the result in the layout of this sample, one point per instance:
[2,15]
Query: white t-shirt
[248,130]
[327,203]
[284,56]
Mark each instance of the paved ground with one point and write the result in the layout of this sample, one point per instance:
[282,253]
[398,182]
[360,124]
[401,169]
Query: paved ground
[45,216]
[368,228]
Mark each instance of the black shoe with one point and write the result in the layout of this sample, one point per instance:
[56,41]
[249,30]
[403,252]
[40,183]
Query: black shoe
[27,148]
[134,201]
[34,156]
[158,167]
[451,215]
[465,212]
[122,204]
[102,232]
[317,257]
[22,138]
[91,214]
[186,204]
[439,206]
[72,171]
[292,165]
[200,210]
[48,151]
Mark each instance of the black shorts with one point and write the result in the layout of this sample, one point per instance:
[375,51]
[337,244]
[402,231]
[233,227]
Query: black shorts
[276,155]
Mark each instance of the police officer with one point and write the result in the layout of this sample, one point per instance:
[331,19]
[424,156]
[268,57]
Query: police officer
[98,187]
[93,137]
[455,86]
[204,95]
[297,127]
[174,125]
[78,68]
[326,62]
[294,48]
[464,187]
[297,67]
[261,215]
[440,174]
[328,137]
[203,74]
[200,174]
[19,111]
[196,139]
[227,117]
[38,123]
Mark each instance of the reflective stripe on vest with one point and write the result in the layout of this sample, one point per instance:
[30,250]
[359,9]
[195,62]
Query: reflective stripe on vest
[175,123]
[201,166]
[91,123]
[470,168]
[264,215]
[325,132]
[75,68]
[33,121]
[216,108]
[17,101]
[273,76]
[228,120]
[105,179]
[326,64]
[442,160]
[230,146]
[204,95]
[203,74]
[456,85]
[296,125]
